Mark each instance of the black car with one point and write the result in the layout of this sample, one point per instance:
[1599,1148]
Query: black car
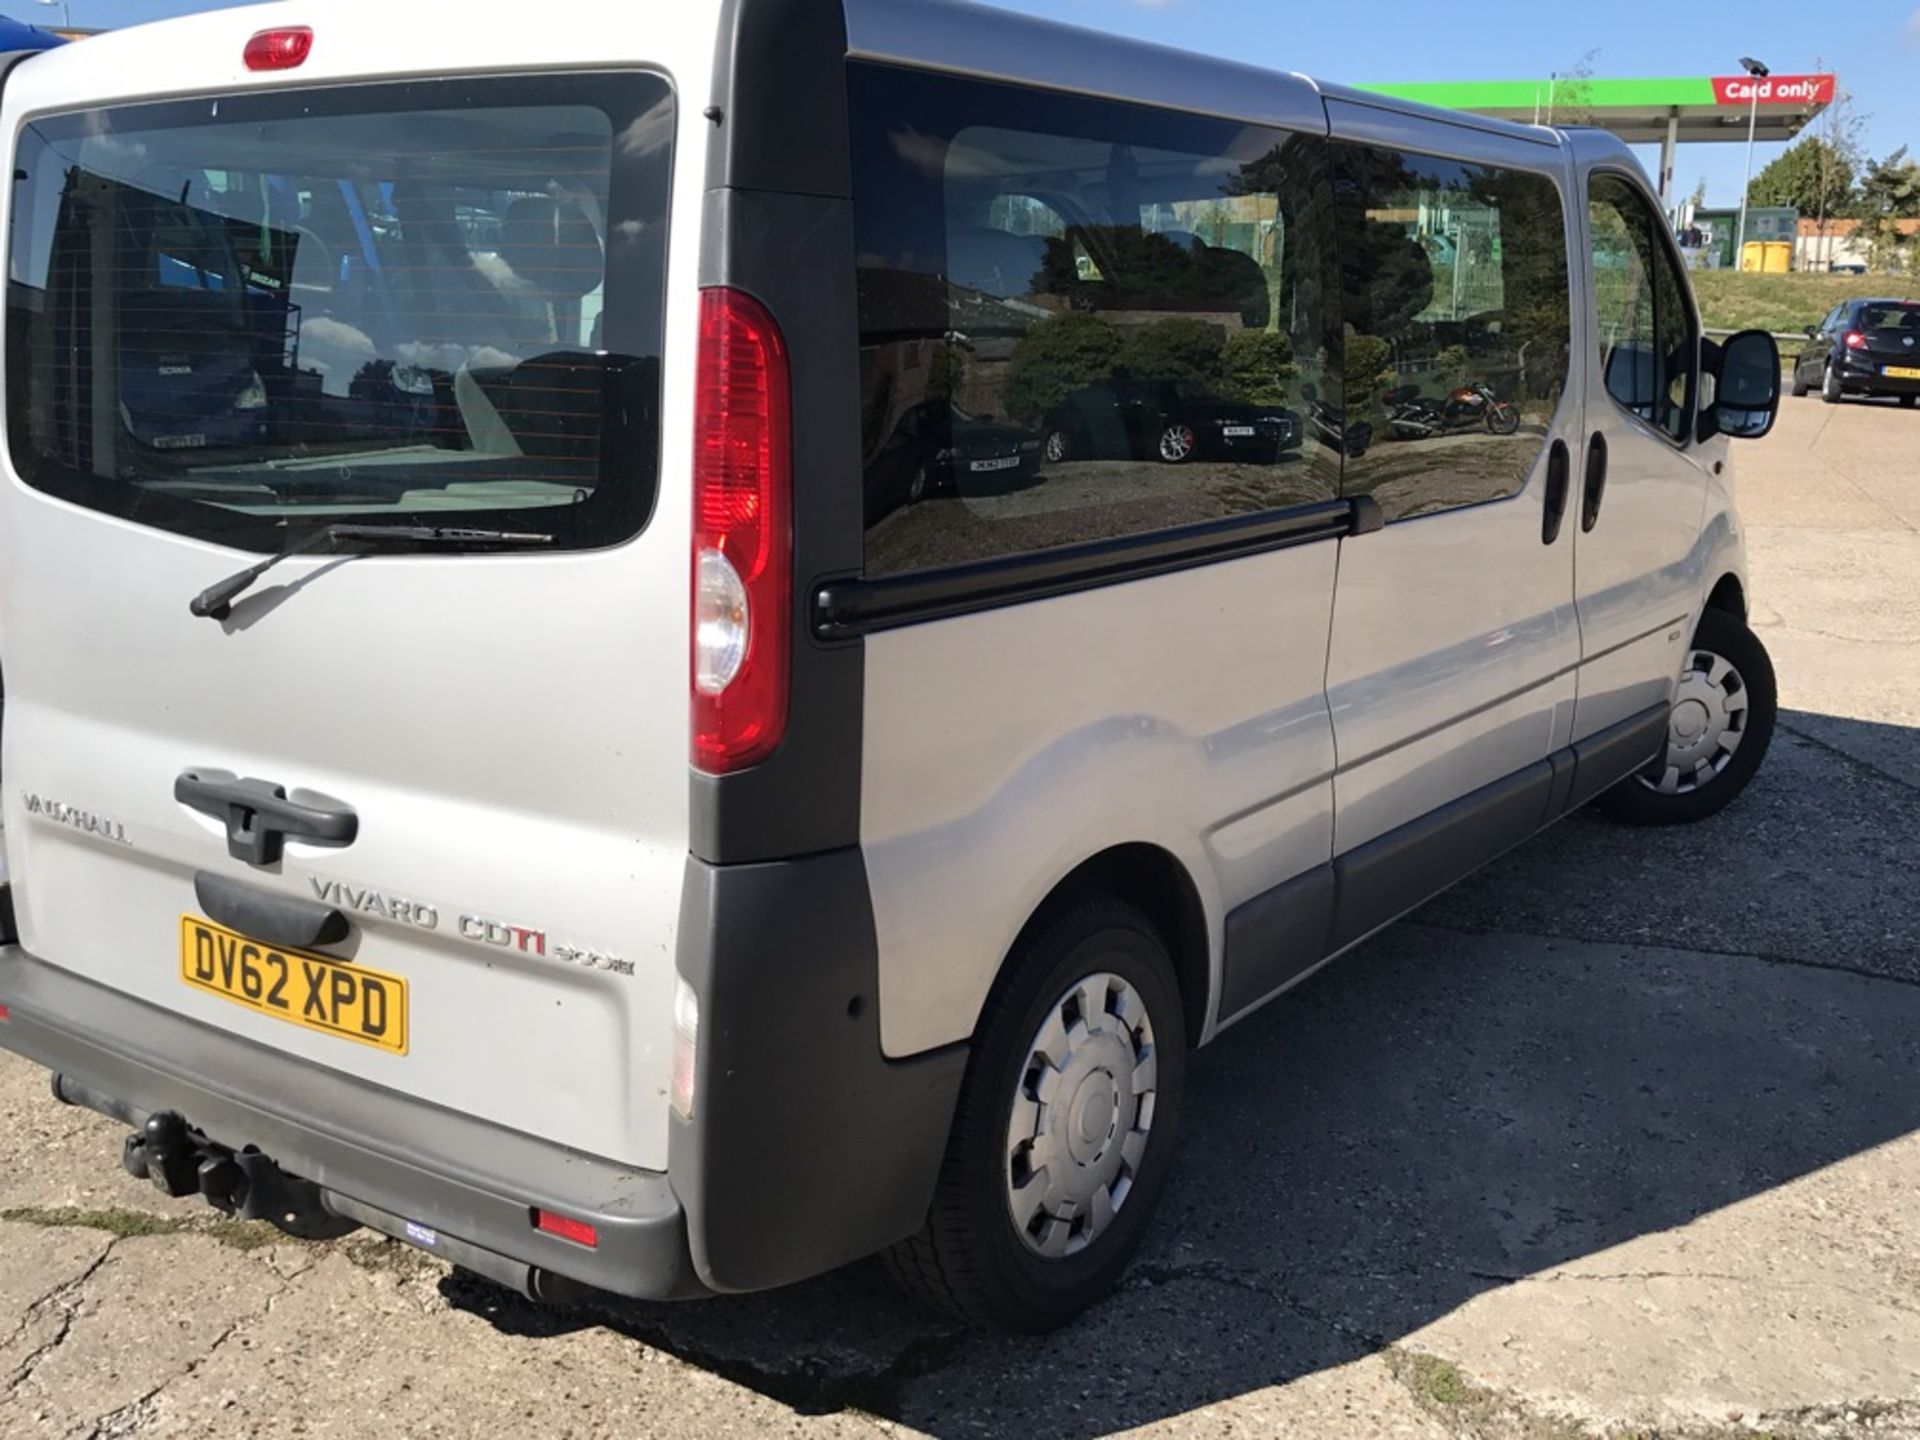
[1169,420]
[937,448]
[1865,347]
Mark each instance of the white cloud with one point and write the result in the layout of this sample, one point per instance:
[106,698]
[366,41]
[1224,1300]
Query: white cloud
[1913,27]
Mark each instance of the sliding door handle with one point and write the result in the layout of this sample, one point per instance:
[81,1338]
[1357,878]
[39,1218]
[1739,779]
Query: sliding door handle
[1596,487]
[1559,478]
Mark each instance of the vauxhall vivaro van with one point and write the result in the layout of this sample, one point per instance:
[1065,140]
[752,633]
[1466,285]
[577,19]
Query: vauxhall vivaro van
[667,650]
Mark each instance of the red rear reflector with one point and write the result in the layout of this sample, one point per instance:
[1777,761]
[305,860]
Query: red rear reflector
[1855,340]
[5,1014]
[742,533]
[578,1231]
[280,49]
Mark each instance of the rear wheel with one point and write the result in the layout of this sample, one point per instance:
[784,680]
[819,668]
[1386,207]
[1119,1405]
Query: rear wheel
[1907,401]
[1177,444]
[1064,1134]
[1721,726]
[1503,419]
[1830,384]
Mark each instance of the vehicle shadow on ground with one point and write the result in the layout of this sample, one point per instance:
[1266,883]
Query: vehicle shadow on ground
[1496,1088]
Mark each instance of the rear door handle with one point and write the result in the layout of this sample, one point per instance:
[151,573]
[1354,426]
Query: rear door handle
[1596,487]
[1559,477]
[260,816]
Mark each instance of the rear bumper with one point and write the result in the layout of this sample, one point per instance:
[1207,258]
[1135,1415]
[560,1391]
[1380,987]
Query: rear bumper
[1865,378]
[807,1148]
[449,1174]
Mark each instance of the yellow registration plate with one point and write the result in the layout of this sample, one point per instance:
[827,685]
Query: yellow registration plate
[315,992]
[1901,372]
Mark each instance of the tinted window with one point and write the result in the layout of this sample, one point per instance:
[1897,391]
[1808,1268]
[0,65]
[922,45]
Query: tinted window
[1648,346]
[1079,320]
[428,304]
[1901,319]
[1456,306]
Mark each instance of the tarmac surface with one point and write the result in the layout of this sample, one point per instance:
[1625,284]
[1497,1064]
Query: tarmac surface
[1618,1138]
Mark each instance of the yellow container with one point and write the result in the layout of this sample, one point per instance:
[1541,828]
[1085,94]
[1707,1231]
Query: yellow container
[1753,256]
[1778,259]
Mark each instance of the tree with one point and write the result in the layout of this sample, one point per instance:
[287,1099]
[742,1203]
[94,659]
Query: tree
[1889,193]
[1175,349]
[1812,176]
[1256,366]
[1369,371]
[1699,200]
[1055,358]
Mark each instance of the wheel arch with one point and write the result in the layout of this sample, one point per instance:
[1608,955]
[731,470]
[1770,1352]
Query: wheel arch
[1729,593]
[1154,881]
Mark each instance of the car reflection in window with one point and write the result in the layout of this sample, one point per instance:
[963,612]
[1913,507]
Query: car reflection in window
[937,448]
[1172,421]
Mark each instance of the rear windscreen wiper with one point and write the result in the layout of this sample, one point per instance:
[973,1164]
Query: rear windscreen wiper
[216,601]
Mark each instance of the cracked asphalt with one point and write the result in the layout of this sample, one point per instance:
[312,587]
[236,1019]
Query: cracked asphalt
[1617,1138]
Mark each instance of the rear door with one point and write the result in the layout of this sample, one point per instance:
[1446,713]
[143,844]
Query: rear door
[1451,665]
[1642,489]
[291,301]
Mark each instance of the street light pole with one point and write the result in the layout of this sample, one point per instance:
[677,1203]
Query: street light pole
[1756,72]
[66,11]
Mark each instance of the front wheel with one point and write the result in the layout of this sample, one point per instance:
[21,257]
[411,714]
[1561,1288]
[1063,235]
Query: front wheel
[1064,1134]
[1800,385]
[1721,725]
[1060,446]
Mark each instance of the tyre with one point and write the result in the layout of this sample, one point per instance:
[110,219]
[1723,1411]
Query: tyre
[1907,401]
[1830,384]
[1503,419]
[1060,446]
[1723,716]
[1177,443]
[1800,386]
[1064,1134]
[920,487]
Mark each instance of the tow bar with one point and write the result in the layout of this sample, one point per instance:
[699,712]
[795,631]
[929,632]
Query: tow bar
[246,1184]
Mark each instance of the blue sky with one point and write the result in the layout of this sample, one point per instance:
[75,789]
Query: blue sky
[1873,44]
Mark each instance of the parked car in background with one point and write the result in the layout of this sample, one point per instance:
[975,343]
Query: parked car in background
[935,444]
[1863,347]
[1170,420]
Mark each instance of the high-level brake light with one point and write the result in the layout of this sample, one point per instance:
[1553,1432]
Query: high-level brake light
[283,49]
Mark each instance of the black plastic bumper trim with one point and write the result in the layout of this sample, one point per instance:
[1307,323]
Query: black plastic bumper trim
[845,609]
[449,1172]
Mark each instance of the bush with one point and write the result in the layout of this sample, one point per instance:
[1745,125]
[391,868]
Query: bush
[1176,349]
[1256,366]
[1057,357]
[1369,370]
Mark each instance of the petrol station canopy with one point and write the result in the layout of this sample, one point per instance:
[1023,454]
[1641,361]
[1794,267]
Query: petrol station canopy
[1642,112]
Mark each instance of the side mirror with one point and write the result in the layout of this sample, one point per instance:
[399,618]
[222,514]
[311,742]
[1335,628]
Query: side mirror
[1813,332]
[1746,396]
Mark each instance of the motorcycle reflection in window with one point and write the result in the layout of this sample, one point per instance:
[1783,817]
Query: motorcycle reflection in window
[1413,416]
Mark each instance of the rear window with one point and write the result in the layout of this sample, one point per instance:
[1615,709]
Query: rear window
[1903,318]
[425,304]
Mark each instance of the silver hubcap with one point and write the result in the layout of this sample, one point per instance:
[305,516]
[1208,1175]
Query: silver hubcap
[1056,447]
[1177,443]
[1081,1114]
[1709,721]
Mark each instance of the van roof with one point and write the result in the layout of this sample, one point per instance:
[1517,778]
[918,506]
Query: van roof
[970,38]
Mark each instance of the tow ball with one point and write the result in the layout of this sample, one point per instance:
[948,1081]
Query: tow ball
[180,1160]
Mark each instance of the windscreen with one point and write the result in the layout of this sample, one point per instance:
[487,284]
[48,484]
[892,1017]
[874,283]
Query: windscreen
[428,305]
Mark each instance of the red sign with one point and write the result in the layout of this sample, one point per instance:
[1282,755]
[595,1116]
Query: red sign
[1774,90]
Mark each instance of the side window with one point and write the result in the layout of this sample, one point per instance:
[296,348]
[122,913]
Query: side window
[1080,320]
[1456,311]
[1648,345]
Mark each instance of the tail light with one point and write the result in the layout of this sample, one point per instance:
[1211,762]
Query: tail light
[1855,340]
[742,534]
[285,49]
[5,1014]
